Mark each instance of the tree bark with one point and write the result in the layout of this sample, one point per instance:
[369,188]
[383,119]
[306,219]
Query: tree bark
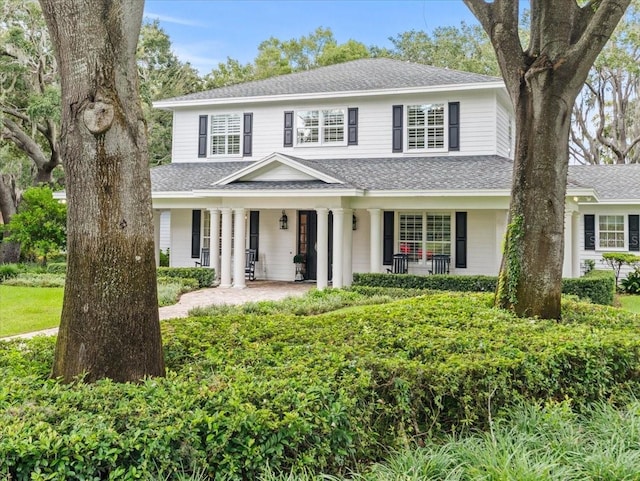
[9,251]
[543,82]
[110,326]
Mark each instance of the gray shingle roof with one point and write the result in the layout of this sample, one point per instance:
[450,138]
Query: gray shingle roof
[611,182]
[358,75]
[184,177]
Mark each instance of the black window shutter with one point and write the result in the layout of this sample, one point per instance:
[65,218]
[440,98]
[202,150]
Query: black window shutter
[288,129]
[196,217]
[247,131]
[387,237]
[254,230]
[352,124]
[454,125]
[397,129]
[589,232]
[634,232]
[461,239]
[202,137]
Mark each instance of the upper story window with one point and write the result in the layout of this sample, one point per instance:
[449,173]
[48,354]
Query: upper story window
[225,134]
[425,126]
[320,127]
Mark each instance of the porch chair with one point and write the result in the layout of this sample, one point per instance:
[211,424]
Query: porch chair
[400,264]
[440,264]
[204,258]
[250,264]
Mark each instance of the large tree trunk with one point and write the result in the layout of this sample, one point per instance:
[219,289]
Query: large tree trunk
[531,273]
[9,251]
[109,326]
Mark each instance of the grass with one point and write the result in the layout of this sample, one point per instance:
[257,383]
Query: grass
[630,303]
[27,309]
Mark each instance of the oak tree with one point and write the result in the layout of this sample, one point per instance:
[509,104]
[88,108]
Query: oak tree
[543,81]
[109,326]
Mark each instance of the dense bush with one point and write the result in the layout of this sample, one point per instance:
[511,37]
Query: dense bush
[7,271]
[171,288]
[32,279]
[251,391]
[204,276]
[598,286]
[631,283]
[56,268]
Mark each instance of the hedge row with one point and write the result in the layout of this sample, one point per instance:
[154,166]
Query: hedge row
[204,276]
[326,392]
[597,286]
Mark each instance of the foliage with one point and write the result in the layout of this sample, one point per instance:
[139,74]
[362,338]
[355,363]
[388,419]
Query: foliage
[171,288]
[164,258]
[464,48]
[589,265]
[616,260]
[40,224]
[247,392]
[204,276]
[7,271]
[57,268]
[36,280]
[597,288]
[631,284]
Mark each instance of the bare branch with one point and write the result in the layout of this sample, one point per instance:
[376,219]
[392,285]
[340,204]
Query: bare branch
[24,142]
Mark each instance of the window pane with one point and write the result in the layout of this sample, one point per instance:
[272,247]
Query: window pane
[438,234]
[307,126]
[425,126]
[410,236]
[225,134]
[611,231]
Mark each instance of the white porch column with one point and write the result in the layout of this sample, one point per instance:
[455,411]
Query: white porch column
[322,269]
[338,250]
[375,241]
[156,235]
[225,258]
[347,249]
[575,261]
[567,260]
[214,250]
[239,246]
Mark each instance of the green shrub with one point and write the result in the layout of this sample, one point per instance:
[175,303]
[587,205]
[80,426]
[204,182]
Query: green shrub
[596,287]
[7,271]
[36,280]
[204,276]
[631,283]
[164,258]
[56,268]
[249,391]
[171,288]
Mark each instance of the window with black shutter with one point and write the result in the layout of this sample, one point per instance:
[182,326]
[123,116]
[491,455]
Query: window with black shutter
[634,232]
[352,124]
[254,230]
[288,129]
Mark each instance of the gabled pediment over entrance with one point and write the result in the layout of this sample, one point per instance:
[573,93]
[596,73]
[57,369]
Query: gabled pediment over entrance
[278,168]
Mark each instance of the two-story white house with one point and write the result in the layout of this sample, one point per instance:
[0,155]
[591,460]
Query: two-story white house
[350,164]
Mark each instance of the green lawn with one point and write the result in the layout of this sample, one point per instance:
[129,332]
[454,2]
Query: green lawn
[27,309]
[630,303]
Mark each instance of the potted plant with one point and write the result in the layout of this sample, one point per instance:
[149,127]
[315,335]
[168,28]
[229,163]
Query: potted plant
[299,260]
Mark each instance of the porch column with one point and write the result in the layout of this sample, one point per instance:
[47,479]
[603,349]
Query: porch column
[156,235]
[239,246]
[347,249]
[322,269]
[225,258]
[575,260]
[568,245]
[375,248]
[214,243]
[338,251]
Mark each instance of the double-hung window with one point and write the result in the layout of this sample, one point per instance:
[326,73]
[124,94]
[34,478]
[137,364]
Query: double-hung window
[225,134]
[320,127]
[422,234]
[611,231]
[426,127]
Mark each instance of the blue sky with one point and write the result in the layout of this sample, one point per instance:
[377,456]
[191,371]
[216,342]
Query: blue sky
[205,32]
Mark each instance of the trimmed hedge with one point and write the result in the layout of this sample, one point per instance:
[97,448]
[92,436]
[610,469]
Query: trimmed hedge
[56,268]
[249,392]
[598,286]
[204,276]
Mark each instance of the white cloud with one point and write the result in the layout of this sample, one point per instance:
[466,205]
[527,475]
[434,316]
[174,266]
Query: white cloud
[170,19]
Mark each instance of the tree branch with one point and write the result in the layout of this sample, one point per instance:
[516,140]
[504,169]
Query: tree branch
[25,118]
[15,134]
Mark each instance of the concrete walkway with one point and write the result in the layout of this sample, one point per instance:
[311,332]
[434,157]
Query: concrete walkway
[255,291]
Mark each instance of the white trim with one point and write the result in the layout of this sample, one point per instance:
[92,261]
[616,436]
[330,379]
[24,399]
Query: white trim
[171,104]
[272,158]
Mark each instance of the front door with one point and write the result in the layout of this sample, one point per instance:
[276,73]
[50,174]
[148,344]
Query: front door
[308,242]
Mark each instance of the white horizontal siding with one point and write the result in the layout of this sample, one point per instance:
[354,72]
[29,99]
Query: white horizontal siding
[477,127]
[180,252]
[503,140]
